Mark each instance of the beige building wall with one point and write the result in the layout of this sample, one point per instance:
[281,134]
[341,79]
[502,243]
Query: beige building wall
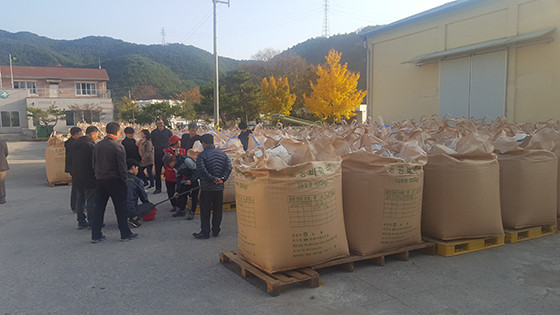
[400,90]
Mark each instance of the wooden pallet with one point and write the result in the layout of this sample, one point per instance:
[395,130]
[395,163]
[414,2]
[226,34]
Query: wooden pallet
[458,247]
[401,253]
[274,282]
[309,276]
[518,235]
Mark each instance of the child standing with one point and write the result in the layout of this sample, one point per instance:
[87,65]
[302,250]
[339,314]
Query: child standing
[170,177]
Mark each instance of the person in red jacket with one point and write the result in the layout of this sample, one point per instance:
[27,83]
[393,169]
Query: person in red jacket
[169,173]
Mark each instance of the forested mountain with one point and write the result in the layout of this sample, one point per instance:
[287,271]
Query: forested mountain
[152,71]
[351,46]
[144,70]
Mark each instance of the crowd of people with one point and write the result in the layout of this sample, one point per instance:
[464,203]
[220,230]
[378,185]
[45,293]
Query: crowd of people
[122,171]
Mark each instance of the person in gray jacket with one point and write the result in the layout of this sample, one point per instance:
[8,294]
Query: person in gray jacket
[3,168]
[109,160]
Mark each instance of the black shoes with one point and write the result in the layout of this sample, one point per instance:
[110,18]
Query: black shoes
[157,191]
[82,226]
[134,223]
[200,236]
[97,240]
[180,213]
[215,234]
[132,236]
[190,216]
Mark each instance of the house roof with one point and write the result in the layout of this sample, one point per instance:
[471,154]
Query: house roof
[21,72]
[450,6]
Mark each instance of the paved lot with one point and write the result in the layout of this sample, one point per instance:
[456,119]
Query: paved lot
[48,266]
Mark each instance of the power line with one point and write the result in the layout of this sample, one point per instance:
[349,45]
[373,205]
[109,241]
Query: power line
[198,25]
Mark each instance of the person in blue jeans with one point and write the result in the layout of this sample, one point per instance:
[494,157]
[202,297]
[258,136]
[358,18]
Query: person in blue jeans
[213,167]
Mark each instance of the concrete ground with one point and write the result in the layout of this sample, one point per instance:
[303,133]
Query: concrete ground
[48,266]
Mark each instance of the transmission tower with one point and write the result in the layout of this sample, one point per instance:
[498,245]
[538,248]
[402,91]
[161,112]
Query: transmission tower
[162,36]
[326,20]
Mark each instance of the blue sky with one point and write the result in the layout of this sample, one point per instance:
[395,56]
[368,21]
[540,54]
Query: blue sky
[244,28]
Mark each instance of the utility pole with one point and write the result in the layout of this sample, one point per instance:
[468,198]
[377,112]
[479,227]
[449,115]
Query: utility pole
[11,72]
[216,83]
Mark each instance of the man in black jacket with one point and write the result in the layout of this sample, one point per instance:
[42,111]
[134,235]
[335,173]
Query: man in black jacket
[110,172]
[160,140]
[75,134]
[83,177]
[213,167]
[188,139]
[129,144]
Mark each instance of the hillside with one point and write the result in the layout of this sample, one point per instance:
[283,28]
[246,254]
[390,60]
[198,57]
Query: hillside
[350,45]
[153,71]
[163,70]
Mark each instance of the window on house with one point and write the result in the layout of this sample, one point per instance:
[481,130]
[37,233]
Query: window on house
[87,116]
[96,116]
[86,88]
[10,119]
[14,119]
[31,86]
[69,118]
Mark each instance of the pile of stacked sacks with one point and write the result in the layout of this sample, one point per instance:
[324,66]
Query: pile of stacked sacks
[311,195]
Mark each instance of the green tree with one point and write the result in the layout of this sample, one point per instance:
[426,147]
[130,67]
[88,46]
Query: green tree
[46,116]
[241,98]
[128,109]
[150,112]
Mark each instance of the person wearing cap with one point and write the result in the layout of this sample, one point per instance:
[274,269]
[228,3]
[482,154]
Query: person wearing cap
[187,142]
[169,173]
[160,139]
[213,167]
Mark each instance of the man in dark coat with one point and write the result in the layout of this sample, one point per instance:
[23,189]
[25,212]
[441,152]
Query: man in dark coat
[188,139]
[3,168]
[75,134]
[129,144]
[109,160]
[160,140]
[83,177]
[214,168]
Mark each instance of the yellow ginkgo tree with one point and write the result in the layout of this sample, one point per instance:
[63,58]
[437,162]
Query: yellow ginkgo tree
[335,94]
[277,96]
